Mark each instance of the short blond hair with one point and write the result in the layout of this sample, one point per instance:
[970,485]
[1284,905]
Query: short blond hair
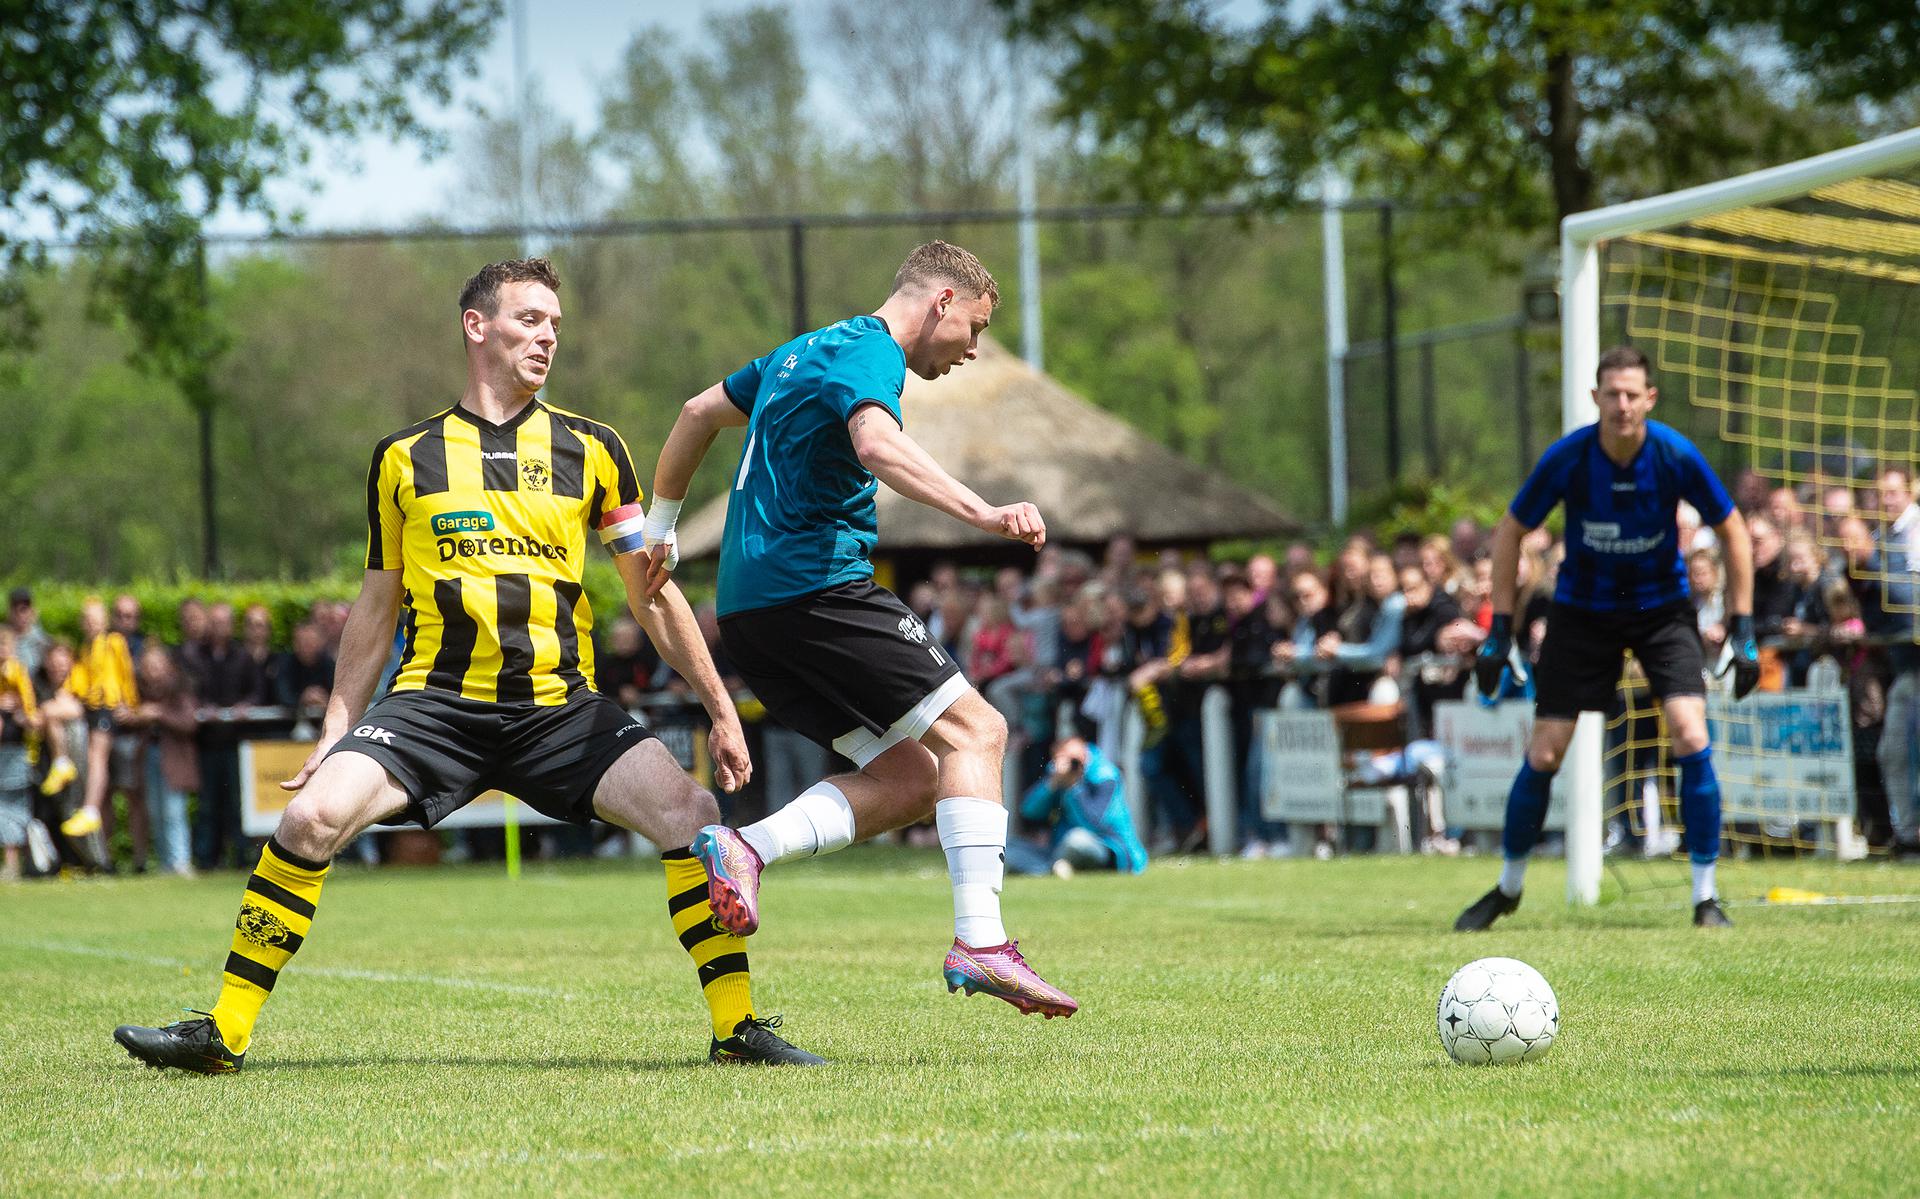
[940,262]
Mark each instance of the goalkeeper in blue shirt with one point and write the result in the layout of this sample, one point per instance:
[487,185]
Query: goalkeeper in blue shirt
[1623,587]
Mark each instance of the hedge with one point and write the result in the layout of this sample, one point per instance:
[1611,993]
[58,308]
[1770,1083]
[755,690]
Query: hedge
[288,600]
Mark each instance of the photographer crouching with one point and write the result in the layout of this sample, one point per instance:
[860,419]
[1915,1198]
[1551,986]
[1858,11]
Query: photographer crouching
[1082,803]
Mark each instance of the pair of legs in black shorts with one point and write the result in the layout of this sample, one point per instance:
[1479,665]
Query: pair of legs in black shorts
[444,749]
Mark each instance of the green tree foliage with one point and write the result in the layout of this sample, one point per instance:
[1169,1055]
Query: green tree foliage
[1532,110]
[129,122]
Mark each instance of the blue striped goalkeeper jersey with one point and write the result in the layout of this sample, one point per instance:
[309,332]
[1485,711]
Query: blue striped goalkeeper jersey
[1622,532]
[801,517]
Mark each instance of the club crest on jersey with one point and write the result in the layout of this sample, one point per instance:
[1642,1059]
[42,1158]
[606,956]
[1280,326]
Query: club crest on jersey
[535,474]
[913,630]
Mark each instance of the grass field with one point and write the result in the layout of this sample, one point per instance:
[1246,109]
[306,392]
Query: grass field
[1261,1027]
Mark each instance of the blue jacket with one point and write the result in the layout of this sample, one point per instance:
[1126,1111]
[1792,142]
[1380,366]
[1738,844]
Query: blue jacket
[1097,803]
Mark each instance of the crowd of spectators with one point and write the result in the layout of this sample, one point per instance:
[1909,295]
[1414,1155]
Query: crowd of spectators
[1063,651]
[118,713]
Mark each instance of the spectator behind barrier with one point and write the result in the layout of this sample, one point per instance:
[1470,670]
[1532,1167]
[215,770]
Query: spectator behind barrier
[1883,570]
[1366,635]
[1709,600]
[171,760]
[30,640]
[1786,512]
[302,678]
[224,684]
[19,736]
[1770,583]
[1431,627]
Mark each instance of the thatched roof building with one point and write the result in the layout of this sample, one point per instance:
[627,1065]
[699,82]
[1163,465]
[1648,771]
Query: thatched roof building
[1012,433]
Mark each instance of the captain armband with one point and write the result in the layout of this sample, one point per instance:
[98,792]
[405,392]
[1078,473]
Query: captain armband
[629,530]
[623,530]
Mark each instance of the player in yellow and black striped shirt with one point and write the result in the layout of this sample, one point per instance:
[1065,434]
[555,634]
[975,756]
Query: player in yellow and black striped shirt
[477,536]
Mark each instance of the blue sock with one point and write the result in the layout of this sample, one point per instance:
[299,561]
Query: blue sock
[1526,811]
[1700,806]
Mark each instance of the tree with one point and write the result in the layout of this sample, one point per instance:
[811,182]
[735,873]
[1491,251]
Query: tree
[130,122]
[751,94]
[565,190]
[645,127]
[933,95]
[1535,110]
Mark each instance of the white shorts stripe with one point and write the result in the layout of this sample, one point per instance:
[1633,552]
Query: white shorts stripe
[861,746]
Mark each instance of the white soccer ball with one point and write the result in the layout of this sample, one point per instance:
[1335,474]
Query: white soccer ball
[1497,1010]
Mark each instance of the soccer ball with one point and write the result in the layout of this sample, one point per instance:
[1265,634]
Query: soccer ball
[1497,1010]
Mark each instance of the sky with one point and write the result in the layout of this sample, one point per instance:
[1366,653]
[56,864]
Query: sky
[574,47]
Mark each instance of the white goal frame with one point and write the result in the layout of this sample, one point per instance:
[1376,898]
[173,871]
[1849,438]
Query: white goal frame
[1580,238]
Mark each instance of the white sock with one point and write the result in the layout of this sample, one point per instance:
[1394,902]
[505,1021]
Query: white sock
[1703,888]
[1513,875]
[819,820]
[974,834]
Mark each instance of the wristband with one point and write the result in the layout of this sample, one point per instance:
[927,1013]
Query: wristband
[1741,628]
[661,519]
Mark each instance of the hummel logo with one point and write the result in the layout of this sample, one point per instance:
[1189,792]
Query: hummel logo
[373,732]
[1626,487]
[495,455]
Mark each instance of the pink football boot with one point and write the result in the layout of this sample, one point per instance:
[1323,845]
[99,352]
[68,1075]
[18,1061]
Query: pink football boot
[1000,971]
[733,878]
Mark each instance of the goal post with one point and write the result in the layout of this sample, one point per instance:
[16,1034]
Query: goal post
[1792,359]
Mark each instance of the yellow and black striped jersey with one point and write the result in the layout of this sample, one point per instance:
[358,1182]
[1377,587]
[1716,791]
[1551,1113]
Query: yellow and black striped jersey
[488,526]
[102,675]
[15,725]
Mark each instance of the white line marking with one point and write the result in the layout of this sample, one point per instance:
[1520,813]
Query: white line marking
[375,976]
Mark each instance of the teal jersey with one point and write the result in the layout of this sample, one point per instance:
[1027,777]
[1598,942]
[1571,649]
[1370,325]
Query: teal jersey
[801,517]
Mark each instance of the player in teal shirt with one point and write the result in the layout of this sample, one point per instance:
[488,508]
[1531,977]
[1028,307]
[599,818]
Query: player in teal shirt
[832,656]
[801,518]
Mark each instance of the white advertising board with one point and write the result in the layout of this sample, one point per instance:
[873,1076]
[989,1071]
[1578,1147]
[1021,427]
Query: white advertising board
[1484,747]
[1786,755]
[1302,769]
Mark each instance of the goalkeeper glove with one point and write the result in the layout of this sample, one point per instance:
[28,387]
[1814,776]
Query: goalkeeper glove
[1492,659]
[1742,656]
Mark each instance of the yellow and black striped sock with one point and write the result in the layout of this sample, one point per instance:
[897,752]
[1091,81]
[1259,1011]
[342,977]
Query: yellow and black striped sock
[720,956]
[275,915]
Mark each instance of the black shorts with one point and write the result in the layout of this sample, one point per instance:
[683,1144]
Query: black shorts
[444,749]
[100,720]
[850,668]
[1580,660]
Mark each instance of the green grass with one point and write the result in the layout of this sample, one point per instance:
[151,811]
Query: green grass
[1247,1028]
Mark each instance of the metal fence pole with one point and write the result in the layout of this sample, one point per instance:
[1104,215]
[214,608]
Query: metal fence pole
[1390,339]
[797,253]
[1333,268]
[1523,401]
[1429,401]
[200,395]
